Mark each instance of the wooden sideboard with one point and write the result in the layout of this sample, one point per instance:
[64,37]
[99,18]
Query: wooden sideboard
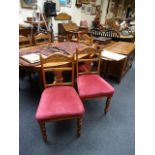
[117,69]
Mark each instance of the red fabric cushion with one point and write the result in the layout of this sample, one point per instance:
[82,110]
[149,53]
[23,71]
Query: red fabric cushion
[58,102]
[93,86]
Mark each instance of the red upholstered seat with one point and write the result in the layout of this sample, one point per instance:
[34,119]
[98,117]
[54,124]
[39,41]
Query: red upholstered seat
[59,102]
[92,85]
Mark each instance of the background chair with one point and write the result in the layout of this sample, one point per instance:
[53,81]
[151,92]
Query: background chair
[85,38]
[24,41]
[89,83]
[42,38]
[59,100]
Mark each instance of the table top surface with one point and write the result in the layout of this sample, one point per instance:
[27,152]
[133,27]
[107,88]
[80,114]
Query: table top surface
[68,48]
[120,47]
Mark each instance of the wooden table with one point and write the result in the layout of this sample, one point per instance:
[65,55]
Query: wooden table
[68,48]
[118,69]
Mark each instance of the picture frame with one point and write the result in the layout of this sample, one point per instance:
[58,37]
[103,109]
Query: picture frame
[85,1]
[92,1]
[65,3]
[93,10]
[27,3]
[83,8]
[88,10]
[78,3]
[69,3]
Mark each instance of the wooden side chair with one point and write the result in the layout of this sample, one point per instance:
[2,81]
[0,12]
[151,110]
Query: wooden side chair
[42,38]
[24,41]
[89,83]
[85,38]
[59,100]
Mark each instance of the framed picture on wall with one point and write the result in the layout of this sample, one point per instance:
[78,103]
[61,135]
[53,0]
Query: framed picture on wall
[69,3]
[27,3]
[93,10]
[84,1]
[62,3]
[78,3]
[88,10]
[65,3]
[92,1]
[83,8]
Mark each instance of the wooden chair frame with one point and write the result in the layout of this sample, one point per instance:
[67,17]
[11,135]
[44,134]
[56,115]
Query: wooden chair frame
[57,58]
[94,56]
[45,67]
[24,41]
[92,51]
[85,38]
[42,36]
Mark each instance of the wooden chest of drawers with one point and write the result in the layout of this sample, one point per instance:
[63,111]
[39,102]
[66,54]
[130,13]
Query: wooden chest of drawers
[117,69]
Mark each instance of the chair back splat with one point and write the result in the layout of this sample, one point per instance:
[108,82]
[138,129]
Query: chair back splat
[42,38]
[57,58]
[91,61]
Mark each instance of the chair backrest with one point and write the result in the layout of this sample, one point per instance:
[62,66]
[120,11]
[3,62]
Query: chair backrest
[24,41]
[42,38]
[91,58]
[64,63]
[84,38]
[111,34]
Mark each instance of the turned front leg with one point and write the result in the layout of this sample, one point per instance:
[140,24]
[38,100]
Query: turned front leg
[79,125]
[43,131]
[107,104]
[58,77]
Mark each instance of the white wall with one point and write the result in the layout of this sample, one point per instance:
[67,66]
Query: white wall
[73,11]
[104,9]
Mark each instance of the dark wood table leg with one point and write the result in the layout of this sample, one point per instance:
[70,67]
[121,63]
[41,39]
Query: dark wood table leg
[58,77]
[40,81]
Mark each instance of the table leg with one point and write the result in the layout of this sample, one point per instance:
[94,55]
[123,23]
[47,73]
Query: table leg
[40,80]
[58,77]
